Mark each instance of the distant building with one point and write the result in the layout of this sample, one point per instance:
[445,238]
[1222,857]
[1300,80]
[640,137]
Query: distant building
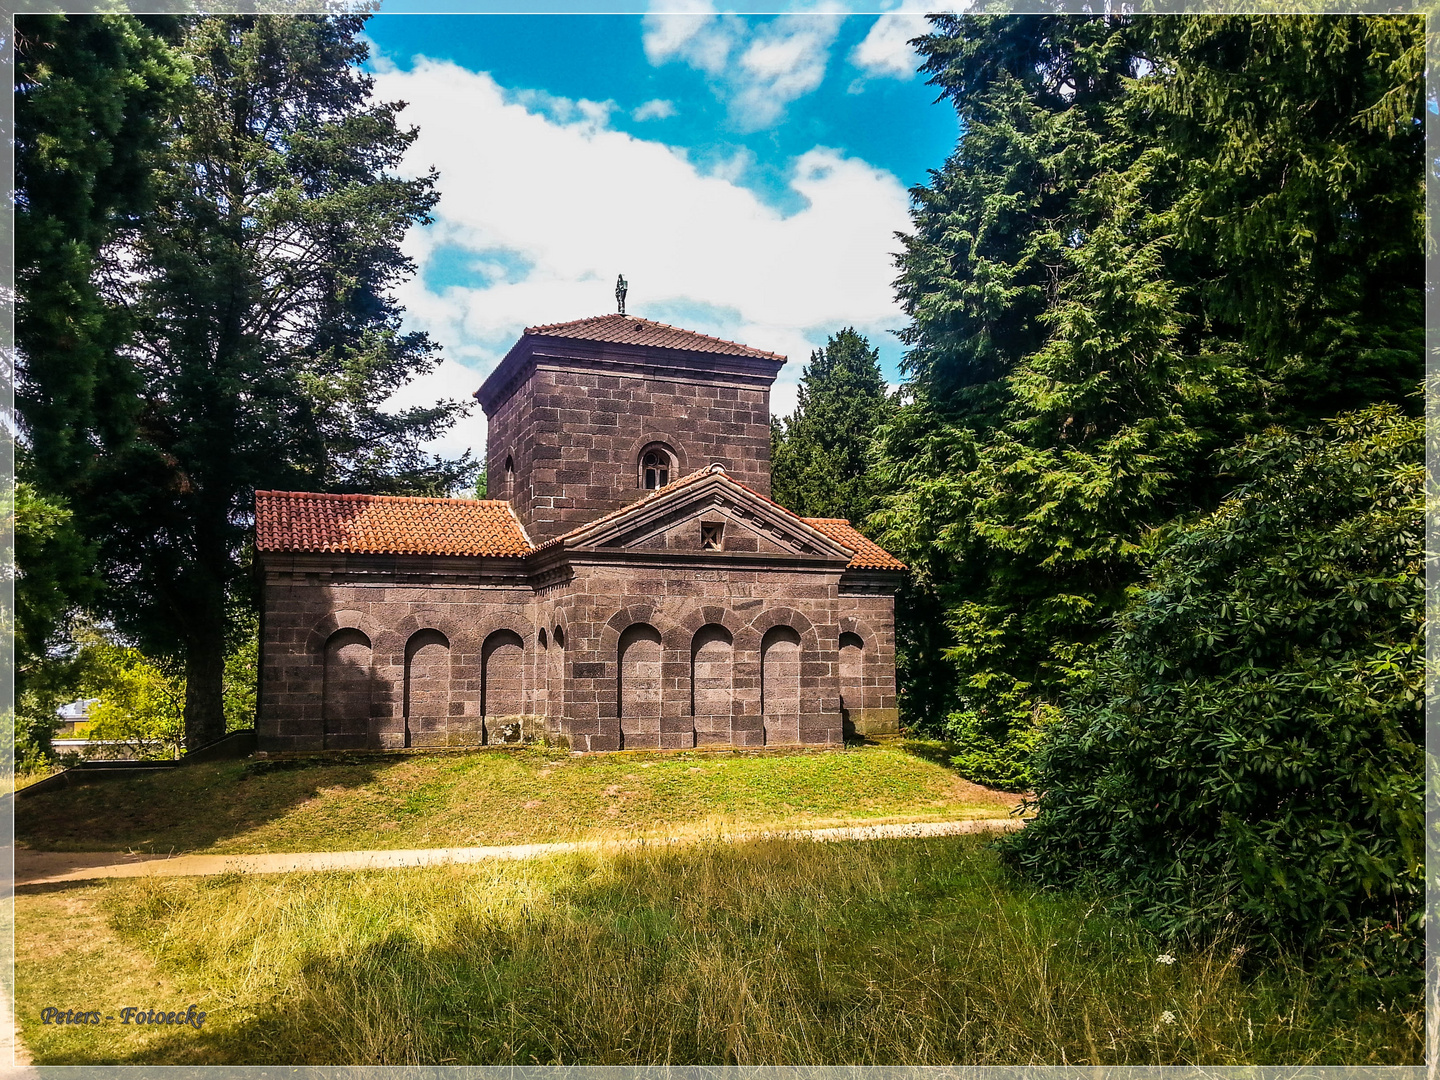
[72,736]
[627,584]
[73,716]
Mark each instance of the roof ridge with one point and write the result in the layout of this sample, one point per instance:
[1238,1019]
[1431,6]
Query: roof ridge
[614,317]
[361,495]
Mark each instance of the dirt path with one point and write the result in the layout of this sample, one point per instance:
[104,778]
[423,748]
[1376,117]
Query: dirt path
[51,867]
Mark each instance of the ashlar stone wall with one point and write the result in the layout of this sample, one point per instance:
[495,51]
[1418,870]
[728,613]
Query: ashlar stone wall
[388,652]
[574,433]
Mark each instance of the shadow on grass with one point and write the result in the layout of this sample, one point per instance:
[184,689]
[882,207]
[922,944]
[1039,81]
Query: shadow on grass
[932,750]
[184,809]
[773,952]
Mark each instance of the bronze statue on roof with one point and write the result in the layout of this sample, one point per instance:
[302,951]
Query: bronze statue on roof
[621,285]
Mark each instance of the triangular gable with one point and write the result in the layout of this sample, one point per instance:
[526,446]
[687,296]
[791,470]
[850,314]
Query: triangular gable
[666,520]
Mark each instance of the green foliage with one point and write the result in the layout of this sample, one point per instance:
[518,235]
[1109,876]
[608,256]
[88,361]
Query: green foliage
[1108,283]
[1047,426]
[35,725]
[141,697]
[139,705]
[242,668]
[260,335]
[1247,756]
[92,94]
[820,456]
[482,480]
[1301,138]
[53,574]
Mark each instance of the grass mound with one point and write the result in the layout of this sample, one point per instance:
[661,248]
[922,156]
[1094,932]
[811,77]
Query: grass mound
[494,797]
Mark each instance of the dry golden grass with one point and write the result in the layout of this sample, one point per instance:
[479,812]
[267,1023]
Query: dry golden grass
[769,952]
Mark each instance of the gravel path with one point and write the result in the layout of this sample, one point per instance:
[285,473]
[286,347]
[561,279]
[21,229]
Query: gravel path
[50,867]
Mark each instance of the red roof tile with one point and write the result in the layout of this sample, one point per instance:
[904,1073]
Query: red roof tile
[386,525]
[868,554]
[633,330]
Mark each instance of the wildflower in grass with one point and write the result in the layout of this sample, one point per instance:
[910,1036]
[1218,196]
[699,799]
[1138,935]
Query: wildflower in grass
[1165,958]
[1167,1017]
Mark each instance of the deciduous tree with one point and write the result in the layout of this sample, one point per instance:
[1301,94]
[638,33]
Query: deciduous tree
[1248,754]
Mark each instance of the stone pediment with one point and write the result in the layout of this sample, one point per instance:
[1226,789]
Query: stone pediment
[693,517]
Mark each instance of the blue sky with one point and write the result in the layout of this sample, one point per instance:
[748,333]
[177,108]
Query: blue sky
[746,174]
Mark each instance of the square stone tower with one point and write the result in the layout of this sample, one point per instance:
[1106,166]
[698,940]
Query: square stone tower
[586,416]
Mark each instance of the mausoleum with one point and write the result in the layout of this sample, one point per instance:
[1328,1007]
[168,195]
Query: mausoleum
[628,583]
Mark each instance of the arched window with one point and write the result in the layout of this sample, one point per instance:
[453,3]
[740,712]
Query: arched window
[657,461]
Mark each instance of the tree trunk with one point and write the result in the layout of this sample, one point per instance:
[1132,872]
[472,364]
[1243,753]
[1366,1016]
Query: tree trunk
[204,685]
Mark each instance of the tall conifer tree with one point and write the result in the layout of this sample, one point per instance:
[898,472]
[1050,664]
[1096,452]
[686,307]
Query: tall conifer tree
[91,96]
[1086,331]
[1047,427]
[820,462]
[264,335]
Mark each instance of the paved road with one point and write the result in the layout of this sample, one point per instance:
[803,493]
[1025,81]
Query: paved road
[49,867]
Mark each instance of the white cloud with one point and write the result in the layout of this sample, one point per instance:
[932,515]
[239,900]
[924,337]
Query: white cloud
[733,168]
[550,210]
[756,70]
[565,110]
[657,109]
[885,51]
[671,32]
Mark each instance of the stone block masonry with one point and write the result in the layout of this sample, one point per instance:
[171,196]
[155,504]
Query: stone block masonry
[630,585]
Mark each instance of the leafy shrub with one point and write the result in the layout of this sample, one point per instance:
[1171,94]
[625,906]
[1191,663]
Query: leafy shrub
[1248,751]
[997,740]
[140,706]
[242,662]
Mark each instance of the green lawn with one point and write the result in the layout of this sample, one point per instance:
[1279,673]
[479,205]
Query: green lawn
[778,951]
[497,797]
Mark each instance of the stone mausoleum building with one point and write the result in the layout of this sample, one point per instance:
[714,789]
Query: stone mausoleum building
[627,584]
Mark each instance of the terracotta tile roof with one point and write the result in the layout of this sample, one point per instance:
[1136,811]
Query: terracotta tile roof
[633,330]
[868,554]
[386,525]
